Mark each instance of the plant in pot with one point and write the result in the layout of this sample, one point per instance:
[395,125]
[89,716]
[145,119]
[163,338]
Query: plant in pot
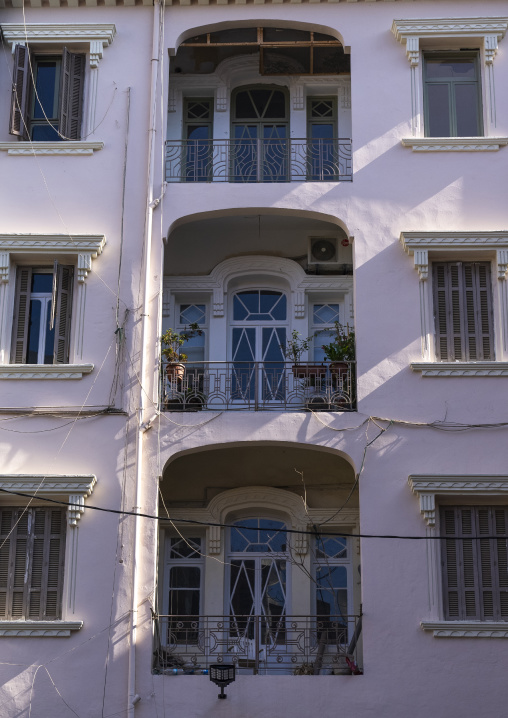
[172,342]
[293,350]
[341,350]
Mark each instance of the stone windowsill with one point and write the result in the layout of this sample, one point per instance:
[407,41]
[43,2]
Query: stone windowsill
[66,147]
[467,629]
[458,368]
[455,144]
[27,629]
[44,371]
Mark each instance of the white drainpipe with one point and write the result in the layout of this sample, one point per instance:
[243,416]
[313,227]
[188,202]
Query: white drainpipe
[132,697]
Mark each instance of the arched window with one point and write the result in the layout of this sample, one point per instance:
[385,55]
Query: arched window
[260,130]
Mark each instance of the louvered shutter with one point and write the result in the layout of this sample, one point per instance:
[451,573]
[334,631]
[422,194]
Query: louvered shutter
[463,311]
[72,80]
[21,315]
[31,563]
[63,314]
[19,99]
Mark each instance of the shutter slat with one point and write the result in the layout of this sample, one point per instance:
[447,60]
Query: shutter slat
[71,94]
[63,314]
[18,123]
[21,315]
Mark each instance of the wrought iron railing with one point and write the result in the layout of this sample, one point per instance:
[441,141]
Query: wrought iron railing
[259,160]
[258,386]
[302,645]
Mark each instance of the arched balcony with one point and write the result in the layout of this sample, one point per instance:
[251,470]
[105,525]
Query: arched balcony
[259,104]
[254,569]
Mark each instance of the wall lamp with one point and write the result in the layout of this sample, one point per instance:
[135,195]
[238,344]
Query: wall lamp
[222,674]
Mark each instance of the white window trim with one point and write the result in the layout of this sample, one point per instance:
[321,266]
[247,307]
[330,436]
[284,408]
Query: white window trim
[95,37]
[73,489]
[69,147]
[455,144]
[427,487]
[83,248]
[443,33]
[466,246]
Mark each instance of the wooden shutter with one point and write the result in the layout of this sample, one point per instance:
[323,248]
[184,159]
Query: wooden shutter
[21,315]
[65,277]
[475,570]
[31,563]
[463,311]
[18,124]
[72,80]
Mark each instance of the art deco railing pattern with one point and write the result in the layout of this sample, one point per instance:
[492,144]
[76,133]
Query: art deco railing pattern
[259,160]
[312,645]
[258,386]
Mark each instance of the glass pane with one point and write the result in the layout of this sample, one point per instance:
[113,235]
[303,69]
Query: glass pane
[42,283]
[184,603]
[322,131]
[242,587]
[331,590]
[190,313]
[260,99]
[466,109]
[463,69]
[321,108]
[331,547]
[272,537]
[185,548]
[244,109]
[197,132]
[273,340]
[45,133]
[325,336]
[244,345]
[50,338]
[34,329]
[273,584]
[276,108]
[184,577]
[326,313]
[199,110]
[45,84]
[438,111]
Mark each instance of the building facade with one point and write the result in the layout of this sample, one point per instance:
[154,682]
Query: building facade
[247,180]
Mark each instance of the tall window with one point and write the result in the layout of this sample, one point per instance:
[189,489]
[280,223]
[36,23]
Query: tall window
[452,95]
[323,318]
[475,569]
[198,123]
[32,552]
[322,147]
[463,311]
[183,587]
[41,329]
[260,131]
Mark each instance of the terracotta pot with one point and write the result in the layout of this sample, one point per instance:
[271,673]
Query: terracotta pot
[175,370]
[339,368]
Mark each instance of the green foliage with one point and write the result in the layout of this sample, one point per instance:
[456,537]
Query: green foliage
[172,341]
[343,347]
[295,347]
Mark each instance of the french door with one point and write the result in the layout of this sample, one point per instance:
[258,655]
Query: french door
[260,147]
[257,596]
[258,338]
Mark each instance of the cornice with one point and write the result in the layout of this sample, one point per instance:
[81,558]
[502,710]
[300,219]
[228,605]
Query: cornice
[428,486]
[450,27]
[51,33]
[453,240]
[29,629]
[44,371]
[466,629]
[53,243]
[454,369]
[68,147]
[455,144]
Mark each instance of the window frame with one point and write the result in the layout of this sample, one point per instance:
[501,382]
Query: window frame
[452,82]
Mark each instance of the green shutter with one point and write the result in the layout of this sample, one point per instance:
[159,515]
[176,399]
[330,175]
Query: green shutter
[65,276]
[71,95]
[18,124]
[21,315]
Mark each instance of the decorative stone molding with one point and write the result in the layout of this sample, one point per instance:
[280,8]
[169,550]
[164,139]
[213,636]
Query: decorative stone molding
[29,629]
[221,99]
[450,27]
[44,371]
[450,369]
[298,97]
[98,36]
[466,629]
[172,98]
[216,283]
[345,95]
[455,144]
[427,487]
[436,241]
[69,147]
[287,505]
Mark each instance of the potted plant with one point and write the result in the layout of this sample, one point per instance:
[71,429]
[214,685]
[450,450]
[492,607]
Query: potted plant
[293,349]
[171,342]
[341,349]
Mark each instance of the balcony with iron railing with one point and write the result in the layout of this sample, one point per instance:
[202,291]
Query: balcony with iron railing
[258,386]
[259,160]
[298,645]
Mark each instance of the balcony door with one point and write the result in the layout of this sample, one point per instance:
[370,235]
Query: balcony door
[258,335]
[257,595]
[260,147]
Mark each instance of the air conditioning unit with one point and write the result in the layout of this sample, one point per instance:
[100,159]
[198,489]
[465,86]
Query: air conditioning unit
[323,250]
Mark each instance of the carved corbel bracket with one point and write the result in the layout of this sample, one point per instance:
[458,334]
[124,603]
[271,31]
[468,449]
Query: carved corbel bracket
[490,47]
[4,267]
[96,52]
[421,260]
[413,50]
[221,98]
[502,263]
[84,266]
[76,508]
